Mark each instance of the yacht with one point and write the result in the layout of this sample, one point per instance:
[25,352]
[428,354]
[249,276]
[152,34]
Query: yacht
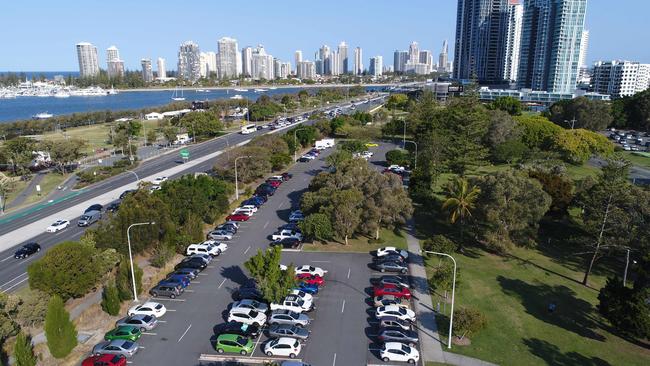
[112,91]
[43,115]
[241,90]
[177,96]
[61,94]
[237,96]
[272,88]
[260,90]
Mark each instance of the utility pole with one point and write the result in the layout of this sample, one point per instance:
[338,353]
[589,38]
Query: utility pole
[572,122]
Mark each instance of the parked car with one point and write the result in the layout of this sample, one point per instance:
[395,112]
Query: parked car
[58,225]
[308,288]
[286,176]
[396,311]
[204,257]
[127,332]
[303,295]
[394,280]
[289,317]
[95,207]
[221,234]
[391,321]
[159,180]
[144,322]
[116,347]
[396,291]
[384,300]
[249,207]
[287,243]
[248,293]
[27,250]
[389,258]
[296,216]
[104,360]
[398,352]
[311,270]
[148,308]
[247,316]
[192,263]
[113,207]
[396,334]
[293,303]
[251,304]
[239,329]
[234,343]
[244,211]
[283,346]
[204,248]
[286,234]
[125,193]
[286,330]
[237,217]
[274,183]
[167,289]
[311,279]
[391,266]
[182,279]
[189,272]
[391,250]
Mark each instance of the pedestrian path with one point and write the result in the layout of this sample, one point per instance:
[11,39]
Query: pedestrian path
[31,188]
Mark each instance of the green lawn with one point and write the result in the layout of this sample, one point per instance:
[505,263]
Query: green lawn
[48,184]
[513,292]
[638,160]
[360,244]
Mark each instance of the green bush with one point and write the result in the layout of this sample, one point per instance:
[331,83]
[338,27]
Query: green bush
[111,300]
[352,146]
[59,330]
[317,226]
[398,157]
[440,244]
[161,256]
[23,351]
[468,321]
[123,280]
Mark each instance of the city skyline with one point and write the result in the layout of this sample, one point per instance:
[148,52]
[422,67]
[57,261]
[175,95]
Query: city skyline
[278,35]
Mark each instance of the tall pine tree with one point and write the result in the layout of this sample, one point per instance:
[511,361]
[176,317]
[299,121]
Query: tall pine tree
[23,352]
[59,330]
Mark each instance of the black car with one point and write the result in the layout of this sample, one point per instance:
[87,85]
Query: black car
[391,267]
[113,207]
[287,243]
[389,258]
[397,334]
[303,159]
[249,293]
[27,250]
[293,226]
[125,193]
[95,207]
[238,328]
[192,262]
[227,227]
[286,176]
[192,273]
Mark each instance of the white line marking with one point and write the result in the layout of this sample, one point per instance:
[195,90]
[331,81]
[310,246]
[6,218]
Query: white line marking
[186,330]
[256,343]
[321,261]
[171,309]
[222,282]
[196,281]
[343,306]
[189,290]
[305,179]
[247,249]
[13,279]
[280,205]
[203,274]
[210,267]
[8,258]
[162,321]
[334,362]
[349,269]
[16,284]
[265,225]
[148,333]
[167,299]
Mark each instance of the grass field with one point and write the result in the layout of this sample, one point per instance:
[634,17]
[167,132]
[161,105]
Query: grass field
[638,160]
[48,184]
[17,187]
[360,244]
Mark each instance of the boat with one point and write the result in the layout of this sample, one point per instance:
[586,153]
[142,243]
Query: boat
[43,115]
[241,90]
[272,88]
[237,96]
[260,90]
[111,91]
[61,94]
[176,96]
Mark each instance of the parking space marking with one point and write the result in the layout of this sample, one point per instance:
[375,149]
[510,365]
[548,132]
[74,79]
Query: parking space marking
[210,267]
[203,274]
[167,299]
[280,205]
[334,362]
[148,333]
[343,306]
[172,310]
[266,224]
[247,249]
[184,333]
[256,343]
[349,270]
[196,281]
[321,261]
[189,290]
[162,321]
[222,282]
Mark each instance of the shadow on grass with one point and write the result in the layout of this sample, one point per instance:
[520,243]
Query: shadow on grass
[552,355]
[571,313]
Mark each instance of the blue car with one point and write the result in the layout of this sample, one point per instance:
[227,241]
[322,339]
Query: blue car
[177,280]
[308,288]
[252,202]
[187,272]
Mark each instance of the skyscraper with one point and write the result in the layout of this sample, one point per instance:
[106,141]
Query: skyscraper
[358,61]
[227,57]
[147,71]
[262,65]
[324,57]
[443,58]
[208,61]
[343,58]
[247,61]
[584,45]
[87,57]
[620,78]
[297,58]
[426,58]
[376,66]
[112,53]
[399,61]
[115,66]
[480,40]
[189,61]
[335,63]
[306,70]
[515,13]
[550,44]
[414,53]
[162,69]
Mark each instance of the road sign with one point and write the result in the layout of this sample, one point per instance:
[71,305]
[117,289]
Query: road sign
[185,154]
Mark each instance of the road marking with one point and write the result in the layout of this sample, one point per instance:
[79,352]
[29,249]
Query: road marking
[166,299]
[222,282]
[196,282]
[148,333]
[8,258]
[305,179]
[247,249]
[334,362]
[162,321]
[189,290]
[16,284]
[171,310]
[256,343]
[349,269]
[321,261]
[186,330]
[280,205]
[210,267]
[203,274]
[13,279]
[265,225]
[343,306]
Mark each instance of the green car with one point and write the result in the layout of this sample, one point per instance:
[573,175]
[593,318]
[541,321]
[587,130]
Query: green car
[126,332]
[234,343]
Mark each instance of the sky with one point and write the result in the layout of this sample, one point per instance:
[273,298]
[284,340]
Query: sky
[40,35]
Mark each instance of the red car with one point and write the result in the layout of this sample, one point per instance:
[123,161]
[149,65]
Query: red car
[274,183]
[238,217]
[311,279]
[105,360]
[389,289]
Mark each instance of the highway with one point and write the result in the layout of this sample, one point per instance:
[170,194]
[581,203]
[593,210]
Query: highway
[25,225]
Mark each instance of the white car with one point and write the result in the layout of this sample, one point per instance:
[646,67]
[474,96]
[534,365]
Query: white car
[396,168]
[303,295]
[158,180]
[283,346]
[284,234]
[249,207]
[367,154]
[397,311]
[311,270]
[204,248]
[148,308]
[293,303]
[243,211]
[308,157]
[392,250]
[57,226]
[247,316]
[399,352]
[222,247]
[250,304]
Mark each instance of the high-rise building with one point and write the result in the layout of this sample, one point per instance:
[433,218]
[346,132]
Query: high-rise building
[115,65]
[414,53]
[399,61]
[281,69]
[247,61]
[112,53]
[162,69]
[306,70]
[324,57]
[620,78]
[426,58]
[189,61]
[343,57]
[147,70]
[87,57]
[584,45]
[227,57]
[208,62]
[376,66]
[443,58]
[358,61]
[297,58]
[335,63]
[550,44]
[515,13]
[262,64]
[480,40]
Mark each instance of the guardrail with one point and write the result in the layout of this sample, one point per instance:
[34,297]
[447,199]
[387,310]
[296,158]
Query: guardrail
[208,357]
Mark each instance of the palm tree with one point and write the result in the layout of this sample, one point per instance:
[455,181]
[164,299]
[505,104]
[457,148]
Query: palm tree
[460,202]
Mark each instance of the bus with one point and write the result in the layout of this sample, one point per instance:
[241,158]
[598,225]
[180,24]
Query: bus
[245,130]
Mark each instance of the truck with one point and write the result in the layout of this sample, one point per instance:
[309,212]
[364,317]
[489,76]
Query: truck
[293,303]
[324,144]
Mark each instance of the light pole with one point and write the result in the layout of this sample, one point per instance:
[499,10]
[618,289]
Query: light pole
[236,182]
[128,239]
[453,291]
[134,173]
[571,122]
[295,141]
[627,263]
[416,151]
[404,137]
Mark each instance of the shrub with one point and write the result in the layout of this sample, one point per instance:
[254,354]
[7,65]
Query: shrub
[111,300]
[317,226]
[468,321]
[123,280]
[32,308]
[59,330]
[23,352]
[398,157]
[443,276]
[162,254]
[440,244]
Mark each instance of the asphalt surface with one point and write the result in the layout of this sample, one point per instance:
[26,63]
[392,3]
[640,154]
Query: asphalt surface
[13,271]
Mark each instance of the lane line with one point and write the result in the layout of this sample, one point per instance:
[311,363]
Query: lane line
[280,205]
[13,279]
[172,310]
[321,261]
[349,270]
[148,333]
[186,330]
[8,258]
[16,284]
[222,282]
[265,225]
[247,249]
[343,306]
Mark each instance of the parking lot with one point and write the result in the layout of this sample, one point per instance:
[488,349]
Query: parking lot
[629,140]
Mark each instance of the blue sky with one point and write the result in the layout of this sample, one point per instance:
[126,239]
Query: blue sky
[41,34]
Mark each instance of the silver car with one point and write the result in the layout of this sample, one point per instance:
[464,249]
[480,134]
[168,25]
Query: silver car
[289,317]
[144,322]
[116,347]
[286,330]
[220,235]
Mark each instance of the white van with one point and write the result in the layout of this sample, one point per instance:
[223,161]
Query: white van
[245,130]
[324,144]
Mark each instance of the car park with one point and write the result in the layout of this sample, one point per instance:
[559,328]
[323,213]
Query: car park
[238,328]
[233,343]
[148,308]
[166,289]
[104,360]
[396,311]
[396,351]
[311,270]
[144,322]
[396,291]
[284,346]
[58,225]
[311,279]
[191,262]
[289,317]
[396,334]
[247,316]
[390,266]
[251,304]
[127,332]
[221,234]
[286,330]
[116,347]
[27,250]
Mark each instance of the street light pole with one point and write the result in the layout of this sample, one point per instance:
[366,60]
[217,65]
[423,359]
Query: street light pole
[128,239]
[453,291]
[404,137]
[236,182]
[134,173]
[295,142]
[627,262]
[416,151]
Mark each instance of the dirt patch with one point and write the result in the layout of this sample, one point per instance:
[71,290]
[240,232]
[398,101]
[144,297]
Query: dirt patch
[461,341]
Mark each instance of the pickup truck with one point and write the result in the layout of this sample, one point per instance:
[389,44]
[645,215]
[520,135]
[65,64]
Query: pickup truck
[293,303]
[283,234]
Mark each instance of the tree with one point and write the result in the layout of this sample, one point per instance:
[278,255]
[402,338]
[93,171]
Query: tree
[509,152]
[18,153]
[460,202]
[23,351]
[64,152]
[397,101]
[317,226]
[346,212]
[111,299]
[442,277]
[151,136]
[468,321]
[59,330]
[440,244]
[124,282]
[352,146]
[626,308]
[398,157]
[501,128]
[201,124]
[577,146]
[274,283]
[594,115]
[538,132]
[8,326]
[6,186]
[558,186]
[511,105]
[69,269]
